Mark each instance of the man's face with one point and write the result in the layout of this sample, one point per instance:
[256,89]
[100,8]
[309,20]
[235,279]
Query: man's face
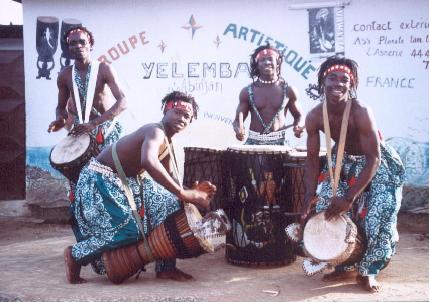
[178,119]
[268,65]
[337,85]
[79,45]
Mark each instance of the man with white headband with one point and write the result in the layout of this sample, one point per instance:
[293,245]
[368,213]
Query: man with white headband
[101,207]
[369,188]
[268,98]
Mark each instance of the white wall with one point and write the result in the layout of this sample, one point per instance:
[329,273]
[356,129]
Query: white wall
[394,84]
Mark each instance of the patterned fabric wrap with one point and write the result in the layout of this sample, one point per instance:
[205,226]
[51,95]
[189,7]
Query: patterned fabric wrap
[104,217]
[375,210]
[112,137]
[273,138]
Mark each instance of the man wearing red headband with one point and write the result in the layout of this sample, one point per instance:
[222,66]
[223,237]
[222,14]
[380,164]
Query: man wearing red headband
[268,99]
[101,207]
[369,189]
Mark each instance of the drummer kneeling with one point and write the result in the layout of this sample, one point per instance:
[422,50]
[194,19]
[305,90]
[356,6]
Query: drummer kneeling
[104,215]
[367,182]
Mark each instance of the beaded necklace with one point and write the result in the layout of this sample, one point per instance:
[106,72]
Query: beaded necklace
[268,82]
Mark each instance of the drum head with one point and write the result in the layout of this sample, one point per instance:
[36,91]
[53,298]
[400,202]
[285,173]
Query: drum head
[69,149]
[194,218]
[325,240]
[259,149]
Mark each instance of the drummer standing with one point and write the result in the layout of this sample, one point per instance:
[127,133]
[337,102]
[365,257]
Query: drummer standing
[98,118]
[84,102]
[268,98]
[370,186]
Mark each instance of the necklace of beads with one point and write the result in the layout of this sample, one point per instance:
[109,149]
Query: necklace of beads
[268,82]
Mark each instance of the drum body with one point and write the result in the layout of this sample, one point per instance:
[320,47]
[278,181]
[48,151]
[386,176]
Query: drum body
[184,234]
[206,164]
[258,206]
[72,153]
[336,242]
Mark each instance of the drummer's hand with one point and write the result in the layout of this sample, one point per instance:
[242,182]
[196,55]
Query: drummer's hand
[197,197]
[205,186]
[338,206]
[306,209]
[240,133]
[298,130]
[57,125]
[82,129]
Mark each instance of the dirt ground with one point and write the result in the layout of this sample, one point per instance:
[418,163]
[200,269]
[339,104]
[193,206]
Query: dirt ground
[32,270]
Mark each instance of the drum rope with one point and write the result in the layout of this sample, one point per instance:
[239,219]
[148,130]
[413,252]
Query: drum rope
[131,201]
[342,137]
[89,97]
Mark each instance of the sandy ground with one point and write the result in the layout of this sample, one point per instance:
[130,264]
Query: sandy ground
[32,270]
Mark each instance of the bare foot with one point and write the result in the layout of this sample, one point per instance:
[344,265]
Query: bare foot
[339,276]
[73,269]
[174,274]
[369,283]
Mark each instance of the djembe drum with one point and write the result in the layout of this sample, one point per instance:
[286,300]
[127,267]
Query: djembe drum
[259,207]
[295,170]
[329,243]
[184,234]
[206,164]
[71,154]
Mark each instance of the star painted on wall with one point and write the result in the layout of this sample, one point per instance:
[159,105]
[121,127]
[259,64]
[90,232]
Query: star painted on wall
[192,24]
[217,41]
[162,46]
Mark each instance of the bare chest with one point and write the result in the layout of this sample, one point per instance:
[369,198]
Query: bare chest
[268,98]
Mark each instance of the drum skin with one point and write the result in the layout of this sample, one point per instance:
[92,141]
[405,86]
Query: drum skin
[72,153]
[337,241]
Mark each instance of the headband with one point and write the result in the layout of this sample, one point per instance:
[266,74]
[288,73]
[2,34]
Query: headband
[188,107]
[266,53]
[342,68]
[77,30]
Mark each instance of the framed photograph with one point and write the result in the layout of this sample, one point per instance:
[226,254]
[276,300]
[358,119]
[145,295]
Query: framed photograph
[322,30]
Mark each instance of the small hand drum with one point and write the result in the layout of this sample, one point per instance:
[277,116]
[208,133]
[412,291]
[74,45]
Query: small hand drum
[333,242]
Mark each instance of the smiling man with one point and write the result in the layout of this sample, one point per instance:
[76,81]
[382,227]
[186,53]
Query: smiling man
[268,98]
[371,177]
[102,209]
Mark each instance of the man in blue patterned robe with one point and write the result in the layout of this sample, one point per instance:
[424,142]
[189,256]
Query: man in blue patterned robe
[101,208]
[371,178]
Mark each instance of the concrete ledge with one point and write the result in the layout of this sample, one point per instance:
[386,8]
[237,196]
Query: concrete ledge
[14,208]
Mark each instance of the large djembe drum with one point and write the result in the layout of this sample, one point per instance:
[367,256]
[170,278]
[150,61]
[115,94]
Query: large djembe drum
[72,153]
[259,207]
[206,164]
[184,234]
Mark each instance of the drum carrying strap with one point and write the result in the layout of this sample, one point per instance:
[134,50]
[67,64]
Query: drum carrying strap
[130,199]
[192,220]
[334,180]
[90,92]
